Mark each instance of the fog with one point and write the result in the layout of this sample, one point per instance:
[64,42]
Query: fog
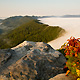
[71,25]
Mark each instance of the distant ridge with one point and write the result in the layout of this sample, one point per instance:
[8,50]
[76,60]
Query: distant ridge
[45,16]
[64,16]
[70,16]
[36,17]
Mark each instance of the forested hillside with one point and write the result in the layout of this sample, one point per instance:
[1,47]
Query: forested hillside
[31,31]
[11,23]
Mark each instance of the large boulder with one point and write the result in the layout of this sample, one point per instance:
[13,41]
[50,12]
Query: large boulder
[33,61]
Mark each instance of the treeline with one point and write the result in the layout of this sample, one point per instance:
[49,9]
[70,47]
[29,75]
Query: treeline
[11,23]
[16,21]
[32,31]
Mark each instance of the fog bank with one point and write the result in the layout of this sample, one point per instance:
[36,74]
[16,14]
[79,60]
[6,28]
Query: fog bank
[71,25]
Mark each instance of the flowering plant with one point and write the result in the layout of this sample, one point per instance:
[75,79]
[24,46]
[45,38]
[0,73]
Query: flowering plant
[72,53]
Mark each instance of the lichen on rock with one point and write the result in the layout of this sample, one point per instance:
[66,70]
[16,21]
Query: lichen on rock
[33,61]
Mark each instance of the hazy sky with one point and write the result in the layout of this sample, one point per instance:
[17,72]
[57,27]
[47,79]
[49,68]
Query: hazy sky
[38,7]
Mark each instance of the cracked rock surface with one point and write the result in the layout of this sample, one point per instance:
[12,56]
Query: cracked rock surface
[31,61]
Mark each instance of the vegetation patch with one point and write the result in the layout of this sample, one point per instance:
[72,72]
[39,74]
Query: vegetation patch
[72,53]
[30,31]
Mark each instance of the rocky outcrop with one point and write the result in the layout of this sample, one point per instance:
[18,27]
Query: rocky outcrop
[32,61]
[4,55]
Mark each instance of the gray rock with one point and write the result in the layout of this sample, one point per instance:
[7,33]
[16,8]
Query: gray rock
[4,55]
[33,61]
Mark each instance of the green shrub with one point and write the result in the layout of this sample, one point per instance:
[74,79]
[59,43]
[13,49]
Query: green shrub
[72,52]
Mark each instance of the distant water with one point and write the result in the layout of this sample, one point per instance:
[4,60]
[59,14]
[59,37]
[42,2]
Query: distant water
[71,25]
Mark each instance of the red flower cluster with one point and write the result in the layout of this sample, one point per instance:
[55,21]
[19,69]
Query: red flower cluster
[72,48]
[72,53]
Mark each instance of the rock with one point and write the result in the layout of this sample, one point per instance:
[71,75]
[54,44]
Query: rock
[33,61]
[4,55]
[63,77]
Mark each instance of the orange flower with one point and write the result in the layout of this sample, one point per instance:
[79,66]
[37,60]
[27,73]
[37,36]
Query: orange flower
[68,40]
[67,53]
[77,66]
[76,55]
[66,63]
[77,63]
[67,72]
[78,38]
[71,48]
[75,49]
[74,65]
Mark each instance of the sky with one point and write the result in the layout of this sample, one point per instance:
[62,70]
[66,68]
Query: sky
[39,7]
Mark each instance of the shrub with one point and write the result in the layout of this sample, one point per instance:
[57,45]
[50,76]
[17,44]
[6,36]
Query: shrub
[72,53]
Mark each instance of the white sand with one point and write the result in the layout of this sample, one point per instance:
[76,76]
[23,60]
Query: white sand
[71,25]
